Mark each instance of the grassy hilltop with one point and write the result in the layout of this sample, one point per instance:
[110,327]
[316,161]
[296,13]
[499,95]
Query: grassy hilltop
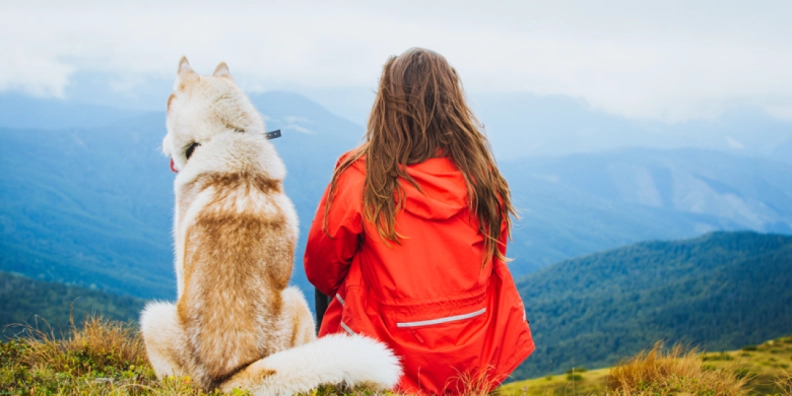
[108,358]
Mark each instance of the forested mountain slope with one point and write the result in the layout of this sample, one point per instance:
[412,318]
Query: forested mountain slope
[24,300]
[722,290]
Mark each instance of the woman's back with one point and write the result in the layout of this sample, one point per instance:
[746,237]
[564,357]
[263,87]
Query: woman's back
[411,234]
[439,242]
[429,297]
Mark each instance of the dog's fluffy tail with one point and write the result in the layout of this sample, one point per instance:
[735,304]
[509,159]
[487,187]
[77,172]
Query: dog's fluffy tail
[334,359]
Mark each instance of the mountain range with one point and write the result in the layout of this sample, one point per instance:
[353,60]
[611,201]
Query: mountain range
[582,203]
[524,124]
[519,124]
[87,199]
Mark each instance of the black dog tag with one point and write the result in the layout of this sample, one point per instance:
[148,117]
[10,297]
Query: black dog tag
[274,134]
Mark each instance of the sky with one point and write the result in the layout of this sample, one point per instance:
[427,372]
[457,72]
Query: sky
[671,61]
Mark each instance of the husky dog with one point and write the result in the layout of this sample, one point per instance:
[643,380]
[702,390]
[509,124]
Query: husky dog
[236,323]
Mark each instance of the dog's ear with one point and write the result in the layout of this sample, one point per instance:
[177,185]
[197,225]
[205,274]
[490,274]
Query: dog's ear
[222,71]
[185,75]
[184,66]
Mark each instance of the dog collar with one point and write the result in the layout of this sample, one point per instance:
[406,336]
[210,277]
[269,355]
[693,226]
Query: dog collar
[269,135]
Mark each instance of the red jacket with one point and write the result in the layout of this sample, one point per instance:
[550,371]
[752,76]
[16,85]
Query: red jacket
[429,299]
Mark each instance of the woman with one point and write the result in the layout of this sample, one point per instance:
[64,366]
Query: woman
[410,237]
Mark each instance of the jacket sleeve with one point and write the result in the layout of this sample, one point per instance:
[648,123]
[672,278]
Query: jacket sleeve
[328,254]
[504,239]
[504,273]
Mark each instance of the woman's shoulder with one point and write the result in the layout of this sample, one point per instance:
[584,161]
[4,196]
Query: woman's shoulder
[350,154]
[353,176]
[358,165]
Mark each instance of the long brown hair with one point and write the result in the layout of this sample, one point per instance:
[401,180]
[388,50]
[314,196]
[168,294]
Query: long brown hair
[420,113]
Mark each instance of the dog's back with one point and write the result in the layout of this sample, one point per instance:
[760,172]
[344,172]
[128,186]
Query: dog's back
[239,234]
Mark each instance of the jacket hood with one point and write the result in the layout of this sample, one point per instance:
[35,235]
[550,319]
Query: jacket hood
[443,192]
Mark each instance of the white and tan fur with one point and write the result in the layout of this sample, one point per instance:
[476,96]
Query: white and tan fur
[236,324]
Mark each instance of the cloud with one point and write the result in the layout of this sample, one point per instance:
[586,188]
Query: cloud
[669,60]
[734,143]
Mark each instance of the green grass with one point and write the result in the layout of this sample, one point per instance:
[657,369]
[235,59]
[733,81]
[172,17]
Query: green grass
[764,376]
[99,357]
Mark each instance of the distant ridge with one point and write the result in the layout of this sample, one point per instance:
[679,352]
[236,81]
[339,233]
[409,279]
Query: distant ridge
[24,300]
[721,291]
[585,203]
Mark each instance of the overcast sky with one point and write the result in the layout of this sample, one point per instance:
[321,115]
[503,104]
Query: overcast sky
[669,60]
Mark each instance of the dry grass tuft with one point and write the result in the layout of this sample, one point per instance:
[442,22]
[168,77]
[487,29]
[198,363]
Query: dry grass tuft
[784,384]
[96,345]
[476,383]
[673,372]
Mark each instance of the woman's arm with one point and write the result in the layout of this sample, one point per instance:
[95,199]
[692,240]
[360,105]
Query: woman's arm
[329,252]
[321,302]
